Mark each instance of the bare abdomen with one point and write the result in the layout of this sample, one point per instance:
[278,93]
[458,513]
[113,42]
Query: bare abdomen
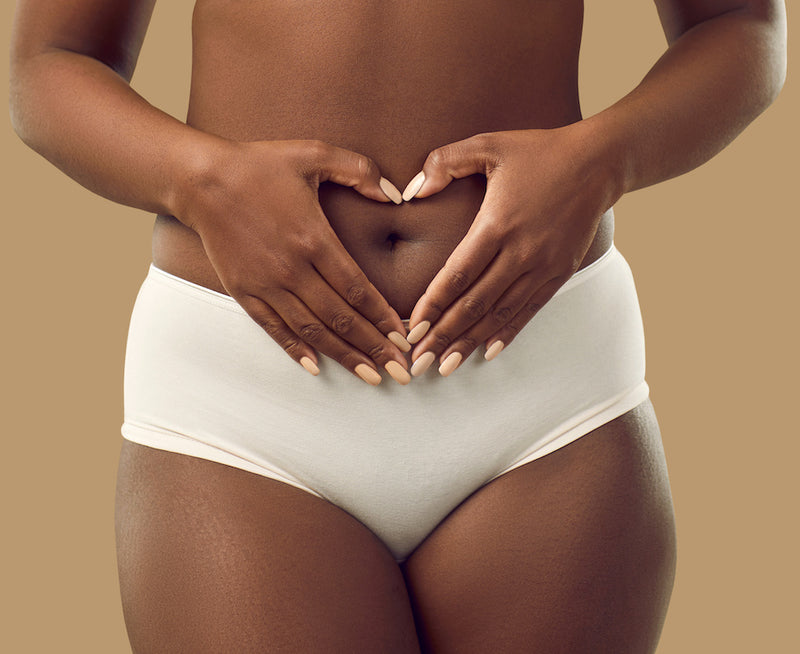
[391,80]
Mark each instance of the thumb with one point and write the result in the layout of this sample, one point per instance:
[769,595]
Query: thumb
[475,154]
[349,168]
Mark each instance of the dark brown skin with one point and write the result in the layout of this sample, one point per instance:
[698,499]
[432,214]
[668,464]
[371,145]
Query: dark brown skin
[290,106]
[386,92]
[394,80]
[571,554]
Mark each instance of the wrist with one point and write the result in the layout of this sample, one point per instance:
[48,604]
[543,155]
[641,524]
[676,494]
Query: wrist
[200,164]
[606,155]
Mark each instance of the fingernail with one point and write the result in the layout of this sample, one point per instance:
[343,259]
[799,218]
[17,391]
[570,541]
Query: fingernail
[414,186]
[450,363]
[398,373]
[493,350]
[422,363]
[418,332]
[390,191]
[309,365]
[369,375]
[399,340]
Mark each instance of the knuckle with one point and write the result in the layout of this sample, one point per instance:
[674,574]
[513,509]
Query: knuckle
[237,286]
[308,158]
[474,307]
[317,249]
[347,359]
[514,327]
[311,332]
[342,322]
[356,295]
[469,341]
[491,148]
[384,324]
[316,150]
[495,230]
[532,307]
[366,167]
[273,326]
[449,155]
[437,157]
[435,306]
[502,314]
[458,281]
[306,247]
[483,142]
[291,346]
[376,352]
[441,340]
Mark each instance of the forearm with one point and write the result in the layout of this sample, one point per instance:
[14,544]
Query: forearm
[84,118]
[709,85]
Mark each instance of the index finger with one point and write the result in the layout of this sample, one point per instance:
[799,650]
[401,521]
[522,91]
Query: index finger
[464,265]
[342,273]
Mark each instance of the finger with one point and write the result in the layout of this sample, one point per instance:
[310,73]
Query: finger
[312,330]
[338,269]
[507,306]
[469,308]
[351,169]
[271,323]
[475,154]
[513,310]
[348,325]
[502,338]
[464,265]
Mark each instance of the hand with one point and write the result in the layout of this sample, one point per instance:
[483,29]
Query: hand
[546,191]
[256,208]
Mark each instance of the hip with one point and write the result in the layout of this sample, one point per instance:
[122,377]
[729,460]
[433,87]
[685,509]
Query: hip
[201,378]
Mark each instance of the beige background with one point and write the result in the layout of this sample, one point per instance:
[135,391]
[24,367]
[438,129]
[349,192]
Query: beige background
[714,256]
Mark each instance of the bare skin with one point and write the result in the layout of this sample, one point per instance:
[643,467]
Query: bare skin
[217,559]
[272,193]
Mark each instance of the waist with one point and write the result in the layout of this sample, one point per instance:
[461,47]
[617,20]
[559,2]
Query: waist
[399,248]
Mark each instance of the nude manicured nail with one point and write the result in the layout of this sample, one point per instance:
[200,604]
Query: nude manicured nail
[390,191]
[398,373]
[309,365]
[399,340]
[418,332]
[493,350]
[369,375]
[450,363]
[422,363]
[414,186]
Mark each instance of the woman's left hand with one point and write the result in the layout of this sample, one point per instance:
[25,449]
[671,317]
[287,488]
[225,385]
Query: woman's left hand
[546,191]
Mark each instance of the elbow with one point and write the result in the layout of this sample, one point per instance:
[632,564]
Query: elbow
[774,57]
[16,103]
[769,37]
[780,62]
[762,55]
[29,111]
[775,86]
[20,85]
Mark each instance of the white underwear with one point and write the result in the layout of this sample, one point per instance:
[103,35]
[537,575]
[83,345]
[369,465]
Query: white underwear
[202,379]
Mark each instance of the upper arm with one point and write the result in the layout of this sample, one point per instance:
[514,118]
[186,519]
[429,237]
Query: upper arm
[110,31]
[679,16]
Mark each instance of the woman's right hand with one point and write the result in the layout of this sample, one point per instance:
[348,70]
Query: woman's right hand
[256,208]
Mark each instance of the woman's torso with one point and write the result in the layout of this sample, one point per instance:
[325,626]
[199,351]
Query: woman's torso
[391,79]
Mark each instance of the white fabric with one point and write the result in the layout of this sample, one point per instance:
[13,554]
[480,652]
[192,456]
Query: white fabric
[201,378]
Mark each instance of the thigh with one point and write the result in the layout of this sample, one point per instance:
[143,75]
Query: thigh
[216,559]
[571,553]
